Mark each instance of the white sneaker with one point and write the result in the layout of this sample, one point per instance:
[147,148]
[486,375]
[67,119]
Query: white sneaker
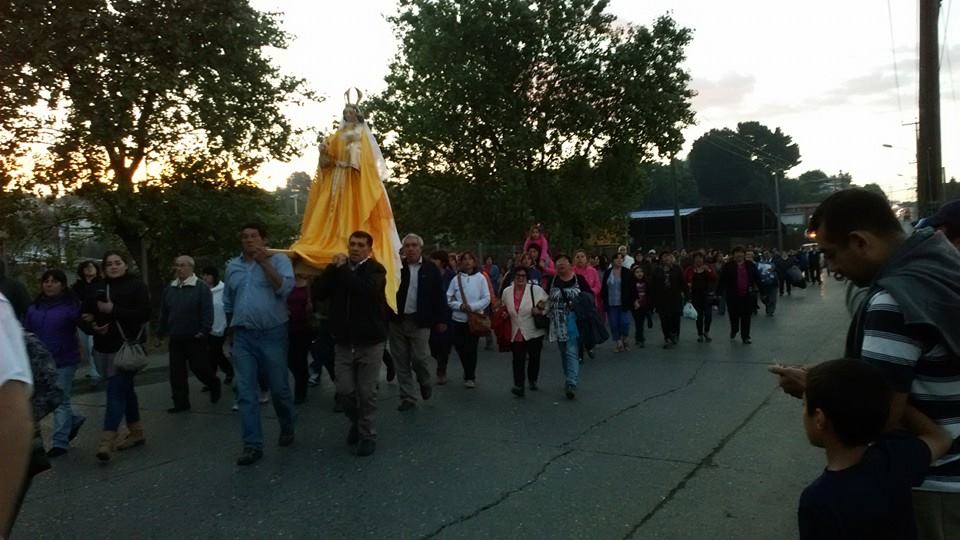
[264,397]
[470,384]
[236,407]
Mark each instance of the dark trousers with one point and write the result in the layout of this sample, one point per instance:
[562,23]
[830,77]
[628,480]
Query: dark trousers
[466,346]
[191,352]
[814,274]
[217,358]
[639,319]
[297,363]
[526,354]
[670,322]
[785,281]
[740,309]
[704,315]
[440,346]
[323,352]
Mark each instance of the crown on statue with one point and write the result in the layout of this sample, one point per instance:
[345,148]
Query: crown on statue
[347,96]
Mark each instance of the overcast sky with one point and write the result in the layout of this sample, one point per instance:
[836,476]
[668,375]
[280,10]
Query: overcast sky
[823,71]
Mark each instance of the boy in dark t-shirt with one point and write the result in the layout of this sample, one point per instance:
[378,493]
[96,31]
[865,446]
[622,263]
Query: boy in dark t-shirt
[864,493]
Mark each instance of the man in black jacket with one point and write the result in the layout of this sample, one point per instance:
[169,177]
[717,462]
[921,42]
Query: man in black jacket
[420,306]
[738,279]
[356,289]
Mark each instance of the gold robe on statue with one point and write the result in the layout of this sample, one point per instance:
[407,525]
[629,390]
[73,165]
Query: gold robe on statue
[348,195]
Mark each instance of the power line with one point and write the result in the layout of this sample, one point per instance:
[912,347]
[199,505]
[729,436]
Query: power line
[893,51]
[946,25]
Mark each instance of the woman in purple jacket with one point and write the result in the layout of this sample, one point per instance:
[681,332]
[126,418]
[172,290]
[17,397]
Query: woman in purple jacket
[53,317]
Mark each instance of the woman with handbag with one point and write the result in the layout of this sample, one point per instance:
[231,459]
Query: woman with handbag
[53,318]
[525,304]
[116,314]
[468,296]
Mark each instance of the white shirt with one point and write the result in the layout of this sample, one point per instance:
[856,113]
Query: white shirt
[14,364]
[477,292]
[219,318]
[628,262]
[411,306]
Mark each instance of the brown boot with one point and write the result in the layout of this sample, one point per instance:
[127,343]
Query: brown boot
[133,438]
[105,448]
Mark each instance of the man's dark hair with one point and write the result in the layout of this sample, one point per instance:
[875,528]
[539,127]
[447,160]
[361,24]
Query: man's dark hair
[83,266]
[441,256]
[854,209]
[363,234]
[257,226]
[535,247]
[853,395]
[738,249]
[561,256]
[211,271]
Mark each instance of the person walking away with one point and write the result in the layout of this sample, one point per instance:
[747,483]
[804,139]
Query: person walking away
[355,286]
[768,283]
[216,339]
[738,280]
[617,291]
[669,291]
[814,266]
[16,422]
[523,301]
[441,342]
[186,315]
[701,280]
[88,275]
[256,286]
[641,303]
[54,318]
[468,293]
[422,308]
[564,290]
[115,312]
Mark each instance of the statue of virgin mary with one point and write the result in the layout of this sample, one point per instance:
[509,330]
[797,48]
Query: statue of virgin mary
[348,194]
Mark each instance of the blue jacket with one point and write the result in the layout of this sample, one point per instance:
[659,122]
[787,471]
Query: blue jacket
[55,321]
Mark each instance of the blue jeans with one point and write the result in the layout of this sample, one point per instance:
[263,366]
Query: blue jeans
[619,322]
[121,401]
[64,418]
[261,351]
[86,343]
[571,364]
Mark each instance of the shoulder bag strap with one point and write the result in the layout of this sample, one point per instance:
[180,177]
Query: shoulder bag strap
[463,295]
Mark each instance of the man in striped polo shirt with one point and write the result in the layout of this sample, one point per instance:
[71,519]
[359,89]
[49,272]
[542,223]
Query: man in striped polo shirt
[909,326]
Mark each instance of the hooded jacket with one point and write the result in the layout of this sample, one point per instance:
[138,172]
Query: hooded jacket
[923,276]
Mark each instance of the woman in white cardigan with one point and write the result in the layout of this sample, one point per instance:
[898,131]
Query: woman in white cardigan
[523,300]
[476,288]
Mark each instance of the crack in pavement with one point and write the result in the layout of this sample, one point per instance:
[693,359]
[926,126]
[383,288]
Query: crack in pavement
[705,462]
[503,496]
[569,450]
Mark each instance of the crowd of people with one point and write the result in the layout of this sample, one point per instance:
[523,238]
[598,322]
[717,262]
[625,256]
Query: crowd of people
[263,322]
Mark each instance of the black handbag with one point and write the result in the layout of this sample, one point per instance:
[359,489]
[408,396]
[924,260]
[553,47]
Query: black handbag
[541,322]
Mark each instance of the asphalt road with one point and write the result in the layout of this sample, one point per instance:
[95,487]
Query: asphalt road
[695,442]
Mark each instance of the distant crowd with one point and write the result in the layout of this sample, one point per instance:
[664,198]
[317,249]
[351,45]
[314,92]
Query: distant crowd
[885,413]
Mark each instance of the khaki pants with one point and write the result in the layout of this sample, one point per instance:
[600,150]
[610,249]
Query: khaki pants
[937,515]
[358,370]
[410,348]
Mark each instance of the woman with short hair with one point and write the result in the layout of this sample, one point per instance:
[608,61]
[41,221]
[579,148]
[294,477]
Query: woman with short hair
[524,301]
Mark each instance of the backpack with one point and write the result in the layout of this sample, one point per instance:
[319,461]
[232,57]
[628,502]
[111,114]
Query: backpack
[47,394]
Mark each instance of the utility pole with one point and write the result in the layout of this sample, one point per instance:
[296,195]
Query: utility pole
[677,229]
[776,196]
[929,184]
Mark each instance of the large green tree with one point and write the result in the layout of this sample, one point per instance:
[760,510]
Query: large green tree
[739,166]
[100,86]
[501,113]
